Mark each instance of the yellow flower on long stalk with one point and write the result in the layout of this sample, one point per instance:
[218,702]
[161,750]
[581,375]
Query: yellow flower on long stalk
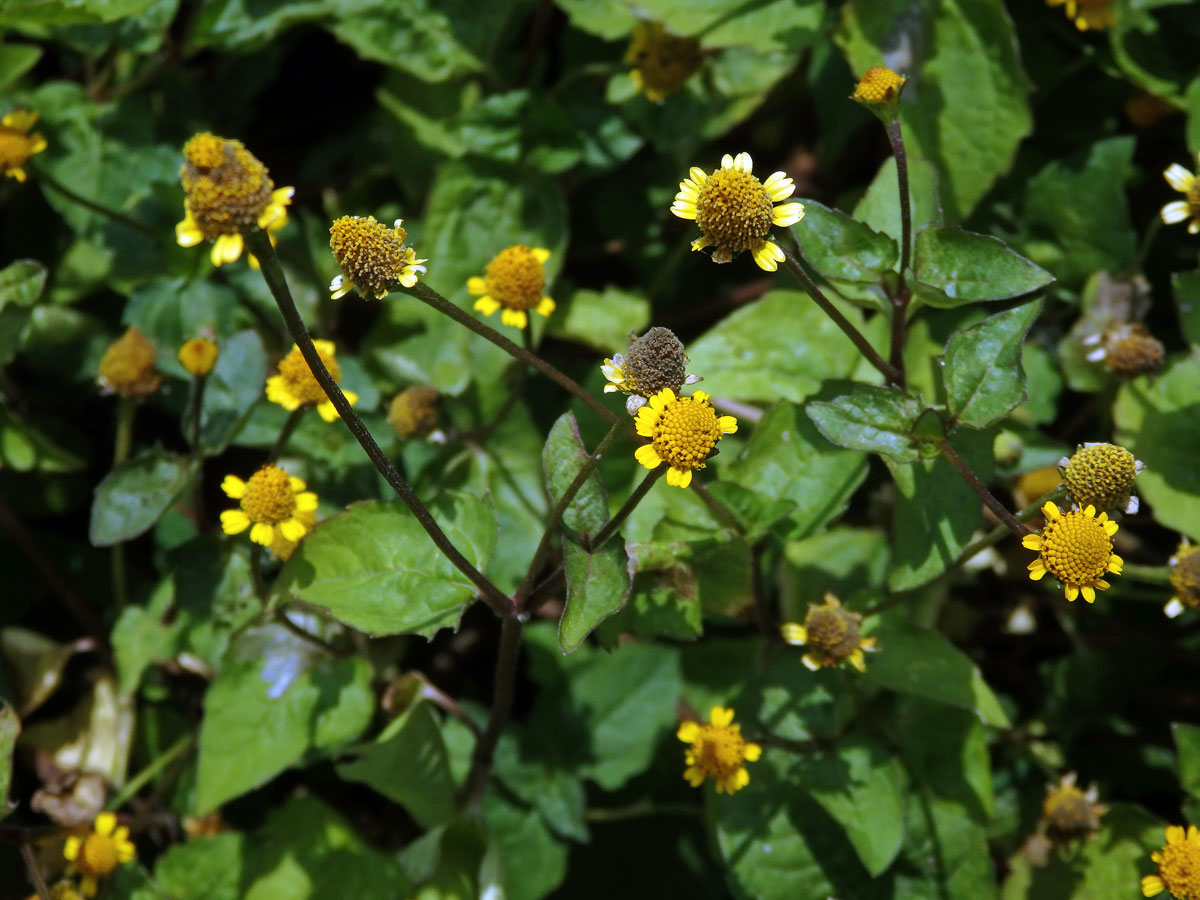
[1077,549]
[271,504]
[18,142]
[735,211]
[127,367]
[662,61]
[198,356]
[372,257]
[514,281]
[832,635]
[683,433]
[717,751]
[98,853]
[296,386]
[1178,865]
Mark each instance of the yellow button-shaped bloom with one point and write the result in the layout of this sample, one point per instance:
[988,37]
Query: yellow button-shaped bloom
[127,367]
[683,432]
[514,281]
[198,356]
[831,633]
[296,386]
[98,853]
[372,257]
[1178,865]
[878,85]
[1088,15]
[1101,475]
[18,142]
[272,504]
[1069,813]
[662,61]
[1076,548]
[717,751]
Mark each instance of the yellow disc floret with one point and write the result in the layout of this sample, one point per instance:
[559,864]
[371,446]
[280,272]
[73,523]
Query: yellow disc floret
[1077,549]
[414,411]
[513,282]
[17,144]
[717,751]
[198,356]
[296,386]
[735,211]
[683,432]
[1178,865]
[372,257]
[662,61]
[831,633]
[878,85]
[98,853]
[272,503]
[127,367]
[1101,475]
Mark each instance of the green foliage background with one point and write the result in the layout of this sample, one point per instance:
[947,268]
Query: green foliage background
[335,769]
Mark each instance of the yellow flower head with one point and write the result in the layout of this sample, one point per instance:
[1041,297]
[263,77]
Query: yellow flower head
[1077,549]
[272,504]
[1178,865]
[1035,483]
[831,634]
[879,86]
[1069,813]
[654,361]
[1101,475]
[127,367]
[735,211]
[1177,211]
[414,411]
[16,142]
[717,751]
[64,890]
[513,282]
[1185,579]
[1094,15]
[372,257]
[296,386]
[228,192]
[662,61]
[683,432]
[98,853]
[1127,349]
[198,356]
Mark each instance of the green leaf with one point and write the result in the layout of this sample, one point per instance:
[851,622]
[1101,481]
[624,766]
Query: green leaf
[69,12]
[954,267]
[21,284]
[597,583]
[1187,745]
[374,567]
[170,311]
[10,727]
[842,248]
[941,830]
[25,448]
[534,861]
[276,697]
[964,110]
[779,347]
[954,767]
[1156,420]
[204,868]
[133,496]
[875,419]
[558,795]
[787,459]
[408,764]
[858,784]
[879,207]
[1186,287]
[796,703]
[15,61]
[602,320]
[981,368]
[232,389]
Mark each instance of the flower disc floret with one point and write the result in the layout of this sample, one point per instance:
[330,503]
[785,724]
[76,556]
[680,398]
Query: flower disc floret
[1077,549]
[271,503]
[98,853]
[735,211]
[198,356]
[17,143]
[832,635]
[372,257]
[878,85]
[1101,475]
[717,751]
[296,386]
[662,61]
[683,432]
[513,282]
[1185,579]
[1178,865]
[127,367]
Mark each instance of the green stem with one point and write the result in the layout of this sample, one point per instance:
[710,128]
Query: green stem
[1011,522]
[34,871]
[896,139]
[148,774]
[1149,574]
[791,260]
[505,680]
[272,273]
[43,177]
[592,543]
[285,433]
[122,444]
[256,575]
[194,409]
[642,809]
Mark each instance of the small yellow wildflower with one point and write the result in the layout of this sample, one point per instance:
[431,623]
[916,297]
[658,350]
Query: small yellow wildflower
[372,257]
[662,61]
[63,890]
[228,192]
[514,282]
[683,432]
[1077,549]
[879,86]
[127,367]
[1185,579]
[16,142]
[1177,211]
[1178,865]
[296,386]
[717,751]
[98,853]
[735,211]
[1127,349]
[832,635]
[1068,813]
[198,356]
[1101,475]
[654,361]
[1094,15]
[414,411]
[272,503]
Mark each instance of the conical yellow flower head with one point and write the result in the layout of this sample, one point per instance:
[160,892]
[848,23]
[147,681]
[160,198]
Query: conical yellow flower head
[272,503]
[1178,865]
[683,432]
[654,361]
[1069,813]
[1094,15]
[1130,350]
[1101,475]
[717,751]
[414,411]
[735,211]
[878,85]
[513,282]
[16,142]
[1187,184]
[100,852]
[127,367]
[296,386]
[1185,579]
[832,635]
[372,257]
[228,192]
[198,356]
[662,61]
[1077,549]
